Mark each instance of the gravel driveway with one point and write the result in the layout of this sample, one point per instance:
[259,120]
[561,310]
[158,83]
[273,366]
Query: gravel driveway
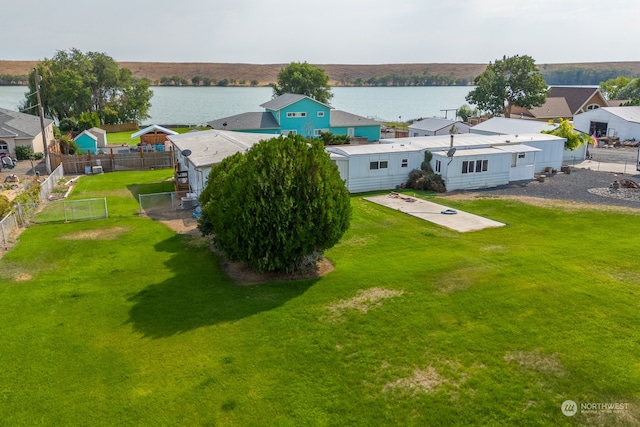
[582,185]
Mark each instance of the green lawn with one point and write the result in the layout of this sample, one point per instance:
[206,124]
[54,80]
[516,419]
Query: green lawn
[125,137]
[122,322]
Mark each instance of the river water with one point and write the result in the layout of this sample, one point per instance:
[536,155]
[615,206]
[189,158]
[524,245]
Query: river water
[189,105]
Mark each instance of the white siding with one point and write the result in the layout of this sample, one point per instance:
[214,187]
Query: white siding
[361,178]
[497,174]
[551,154]
[616,125]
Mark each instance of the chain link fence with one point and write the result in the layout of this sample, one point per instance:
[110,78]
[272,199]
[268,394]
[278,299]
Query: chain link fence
[158,203]
[63,211]
[9,228]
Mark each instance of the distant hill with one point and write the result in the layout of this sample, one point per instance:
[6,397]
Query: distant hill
[433,74]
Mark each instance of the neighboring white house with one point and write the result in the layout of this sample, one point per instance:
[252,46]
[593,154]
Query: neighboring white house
[20,129]
[197,152]
[621,122]
[435,126]
[510,126]
[478,161]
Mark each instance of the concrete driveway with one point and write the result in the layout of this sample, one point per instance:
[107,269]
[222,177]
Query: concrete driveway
[455,219]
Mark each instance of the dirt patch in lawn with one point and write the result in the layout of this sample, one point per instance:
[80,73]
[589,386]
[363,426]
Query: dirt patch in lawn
[110,233]
[366,299]
[429,379]
[534,360]
[567,205]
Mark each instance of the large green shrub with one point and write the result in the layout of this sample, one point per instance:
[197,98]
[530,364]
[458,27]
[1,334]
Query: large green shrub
[425,178]
[278,206]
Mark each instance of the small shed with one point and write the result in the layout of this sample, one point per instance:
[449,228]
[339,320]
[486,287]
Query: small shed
[101,136]
[154,134]
[87,142]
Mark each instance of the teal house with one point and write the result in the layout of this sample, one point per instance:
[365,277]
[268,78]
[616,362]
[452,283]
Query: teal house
[87,142]
[300,115]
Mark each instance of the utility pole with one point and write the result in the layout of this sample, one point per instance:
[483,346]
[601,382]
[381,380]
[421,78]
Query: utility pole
[37,79]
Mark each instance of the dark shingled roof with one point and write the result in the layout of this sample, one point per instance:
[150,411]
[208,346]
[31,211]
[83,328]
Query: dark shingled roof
[20,125]
[246,121]
[344,119]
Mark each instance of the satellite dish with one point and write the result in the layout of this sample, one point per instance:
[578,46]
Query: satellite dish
[451,152]
[186,153]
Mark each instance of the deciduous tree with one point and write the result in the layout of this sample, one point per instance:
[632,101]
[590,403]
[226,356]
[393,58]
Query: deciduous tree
[278,206]
[574,139]
[73,83]
[304,79]
[509,81]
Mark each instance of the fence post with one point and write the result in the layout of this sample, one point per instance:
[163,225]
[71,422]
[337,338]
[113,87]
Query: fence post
[106,210]
[4,238]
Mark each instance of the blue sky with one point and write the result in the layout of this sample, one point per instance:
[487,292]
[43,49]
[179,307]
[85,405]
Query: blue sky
[328,32]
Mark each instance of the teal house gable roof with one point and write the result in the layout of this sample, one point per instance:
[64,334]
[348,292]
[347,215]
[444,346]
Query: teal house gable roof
[302,115]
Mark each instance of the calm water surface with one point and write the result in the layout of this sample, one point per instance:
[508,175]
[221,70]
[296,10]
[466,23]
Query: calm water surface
[198,105]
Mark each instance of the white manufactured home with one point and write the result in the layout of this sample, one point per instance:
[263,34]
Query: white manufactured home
[197,152]
[375,166]
[511,126]
[478,161]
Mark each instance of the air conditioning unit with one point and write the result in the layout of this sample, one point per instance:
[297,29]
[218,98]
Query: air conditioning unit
[96,169]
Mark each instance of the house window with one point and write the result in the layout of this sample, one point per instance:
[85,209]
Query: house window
[4,146]
[438,166]
[521,155]
[474,166]
[289,132]
[291,114]
[320,113]
[593,107]
[405,163]
[317,132]
[378,165]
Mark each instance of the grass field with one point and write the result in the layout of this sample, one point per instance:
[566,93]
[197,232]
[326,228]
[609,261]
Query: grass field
[123,322]
[125,137]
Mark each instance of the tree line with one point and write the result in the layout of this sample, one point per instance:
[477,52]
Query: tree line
[176,80]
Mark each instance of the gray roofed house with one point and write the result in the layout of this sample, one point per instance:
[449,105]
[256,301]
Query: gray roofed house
[197,152]
[22,130]
[436,126]
[300,115]
[246,121]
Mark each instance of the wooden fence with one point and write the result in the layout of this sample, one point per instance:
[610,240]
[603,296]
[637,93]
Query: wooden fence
[122,127]
[111,162]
